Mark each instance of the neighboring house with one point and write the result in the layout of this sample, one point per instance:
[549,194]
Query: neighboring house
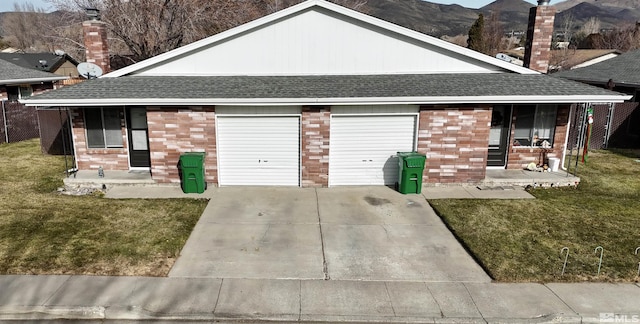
[563,59]
[320,95]
[18,122]
[63,64]
[615,126]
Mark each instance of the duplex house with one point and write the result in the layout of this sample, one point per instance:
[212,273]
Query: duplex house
[320,95]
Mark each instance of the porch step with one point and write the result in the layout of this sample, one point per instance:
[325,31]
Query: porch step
[525,178]
[91,179]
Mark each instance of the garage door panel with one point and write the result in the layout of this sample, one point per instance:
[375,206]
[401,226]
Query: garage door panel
[259,150]
[363,148]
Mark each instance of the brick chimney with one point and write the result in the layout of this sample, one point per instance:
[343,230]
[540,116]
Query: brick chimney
[95,41]
[537,52]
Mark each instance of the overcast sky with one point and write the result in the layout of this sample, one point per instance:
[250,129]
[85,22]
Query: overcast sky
[7,5]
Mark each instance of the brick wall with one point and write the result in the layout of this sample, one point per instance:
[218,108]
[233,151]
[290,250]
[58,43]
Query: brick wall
[456,142]
[91,158]
[315,146]
[518,157]
[173,131]
[539,34]
[96,46]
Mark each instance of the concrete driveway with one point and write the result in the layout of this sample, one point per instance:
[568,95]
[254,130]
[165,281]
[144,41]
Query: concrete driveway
[348,233]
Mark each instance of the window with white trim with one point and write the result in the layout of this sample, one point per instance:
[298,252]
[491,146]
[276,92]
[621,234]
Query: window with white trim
[535,125]
[103,127]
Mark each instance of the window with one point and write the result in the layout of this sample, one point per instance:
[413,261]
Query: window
[14,93]
[535,125]
[103,127]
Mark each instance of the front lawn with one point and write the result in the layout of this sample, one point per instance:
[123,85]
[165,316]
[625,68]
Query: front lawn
[42,232]
[521,240]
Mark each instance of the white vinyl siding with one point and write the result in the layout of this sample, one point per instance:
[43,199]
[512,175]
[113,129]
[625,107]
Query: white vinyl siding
[319,42]
[363,148]
[258,150]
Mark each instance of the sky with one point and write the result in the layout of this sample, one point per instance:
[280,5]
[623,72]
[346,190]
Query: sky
[7,5]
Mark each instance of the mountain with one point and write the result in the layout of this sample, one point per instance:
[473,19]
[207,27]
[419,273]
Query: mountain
[439,19]
[612,5]
[423,16]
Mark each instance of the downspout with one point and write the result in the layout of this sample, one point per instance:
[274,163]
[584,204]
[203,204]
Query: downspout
[73,143]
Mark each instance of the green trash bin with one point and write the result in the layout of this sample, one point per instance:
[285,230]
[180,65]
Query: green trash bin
[410,172]
[192,166]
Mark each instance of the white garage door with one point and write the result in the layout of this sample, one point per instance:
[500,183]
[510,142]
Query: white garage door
[258,150]
[363,148]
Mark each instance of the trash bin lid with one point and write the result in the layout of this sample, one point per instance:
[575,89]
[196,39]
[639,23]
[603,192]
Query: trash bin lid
[192,159]
[415,161]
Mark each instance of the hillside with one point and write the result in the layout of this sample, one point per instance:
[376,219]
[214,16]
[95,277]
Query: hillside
[439,19]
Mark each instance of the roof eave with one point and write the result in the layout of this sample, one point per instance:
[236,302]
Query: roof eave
[32,80]
[328,101]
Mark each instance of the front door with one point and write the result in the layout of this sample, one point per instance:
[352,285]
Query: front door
[499,136]
[139,156]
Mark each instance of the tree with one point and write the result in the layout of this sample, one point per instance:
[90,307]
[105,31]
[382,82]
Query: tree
[146,28]
[476,35]
[24,28]
[493,34]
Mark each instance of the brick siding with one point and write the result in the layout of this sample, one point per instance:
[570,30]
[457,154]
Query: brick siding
[539,35]
[95,43]
[315,146]
[173,131]
[456,141]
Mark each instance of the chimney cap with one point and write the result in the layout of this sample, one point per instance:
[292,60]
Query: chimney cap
[543,2]
[93,13]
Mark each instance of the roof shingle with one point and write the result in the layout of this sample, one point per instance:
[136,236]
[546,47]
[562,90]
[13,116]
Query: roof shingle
[624,70]
[325,86]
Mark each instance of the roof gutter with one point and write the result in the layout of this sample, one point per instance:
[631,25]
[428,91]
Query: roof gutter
[326,101]
[33,80]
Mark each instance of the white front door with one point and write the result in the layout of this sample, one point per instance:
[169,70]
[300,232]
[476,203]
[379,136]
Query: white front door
[363,148]
[258,150]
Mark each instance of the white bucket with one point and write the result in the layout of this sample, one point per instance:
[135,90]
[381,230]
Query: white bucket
[554,164]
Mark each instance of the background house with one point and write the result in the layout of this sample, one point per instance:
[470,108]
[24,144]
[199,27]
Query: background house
[56,63]
[614,125]
[17,121]
[320,95]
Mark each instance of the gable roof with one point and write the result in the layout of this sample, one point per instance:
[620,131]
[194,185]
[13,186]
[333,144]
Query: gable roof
[14,74]
[327,8]
[326,90]
[490,80]
[33,60]
[624,70]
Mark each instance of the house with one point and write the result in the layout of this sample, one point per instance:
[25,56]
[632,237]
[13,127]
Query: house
[562,59]
[320,95]
[57,63]
[615,125]
[18,122]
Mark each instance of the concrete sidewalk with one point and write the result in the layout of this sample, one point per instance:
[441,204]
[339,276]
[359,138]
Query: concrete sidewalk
[473,192]
[130,299]
[443,192]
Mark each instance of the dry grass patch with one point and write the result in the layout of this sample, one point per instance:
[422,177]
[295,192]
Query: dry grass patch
[520,240]
[42,232]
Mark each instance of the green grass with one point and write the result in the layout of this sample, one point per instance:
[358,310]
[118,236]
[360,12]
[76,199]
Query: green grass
[520,240]
[42,232]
